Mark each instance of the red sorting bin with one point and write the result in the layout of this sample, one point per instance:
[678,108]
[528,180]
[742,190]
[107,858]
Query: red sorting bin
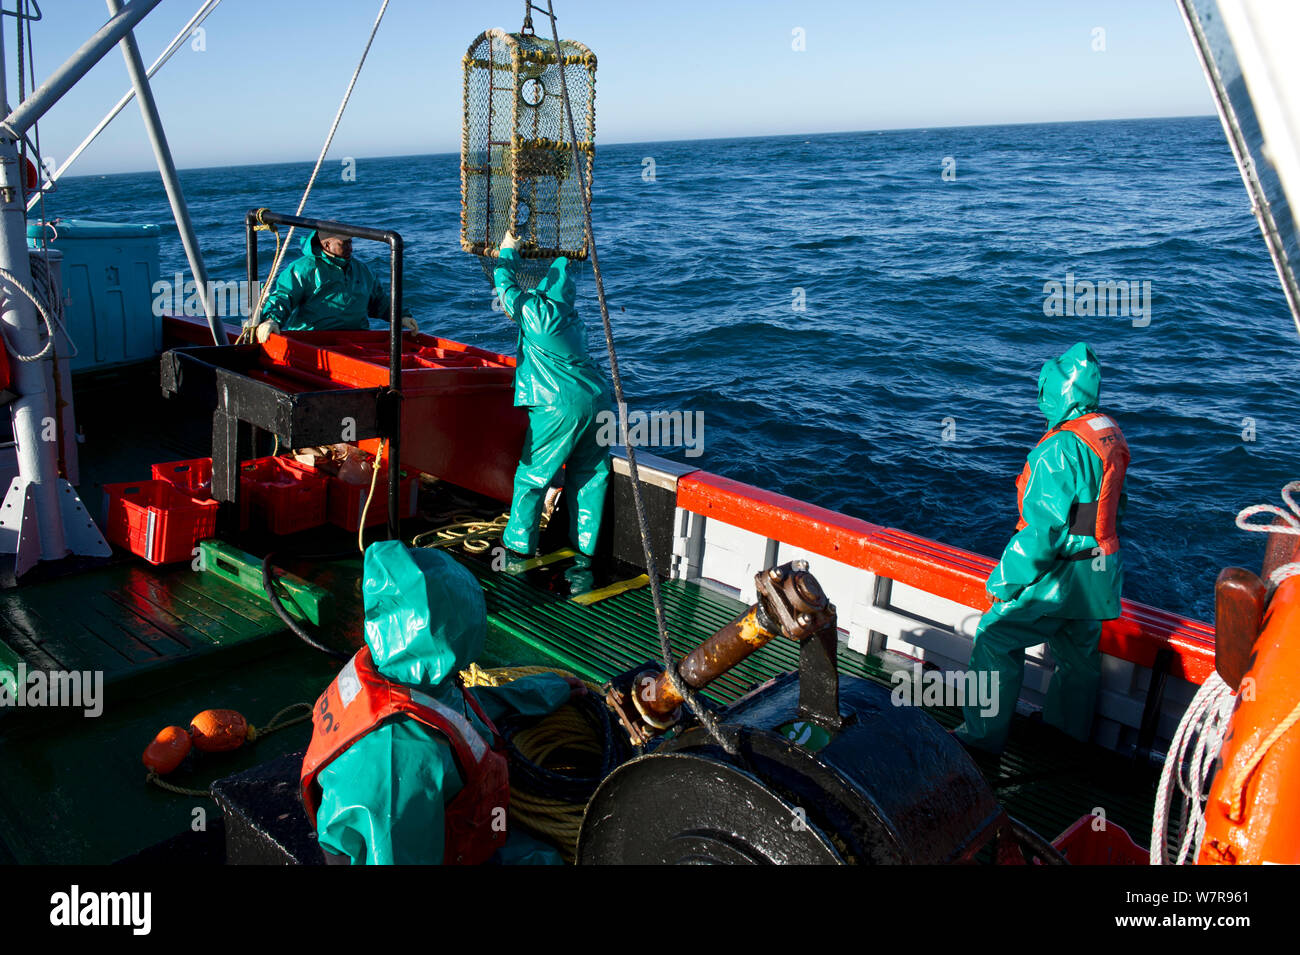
[346,501]
[157,521]
[1109,844]
[193,477]
[281,495]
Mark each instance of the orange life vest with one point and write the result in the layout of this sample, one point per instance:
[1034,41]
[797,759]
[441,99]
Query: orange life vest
[360,699]
[1099,519]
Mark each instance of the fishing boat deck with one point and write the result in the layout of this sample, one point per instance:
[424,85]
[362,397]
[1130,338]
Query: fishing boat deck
[171,641]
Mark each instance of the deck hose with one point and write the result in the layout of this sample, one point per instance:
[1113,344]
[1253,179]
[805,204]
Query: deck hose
[268,584]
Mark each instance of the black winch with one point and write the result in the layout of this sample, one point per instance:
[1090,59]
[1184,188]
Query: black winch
[822,769]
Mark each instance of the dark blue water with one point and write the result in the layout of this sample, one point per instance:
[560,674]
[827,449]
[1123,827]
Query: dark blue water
[923,302]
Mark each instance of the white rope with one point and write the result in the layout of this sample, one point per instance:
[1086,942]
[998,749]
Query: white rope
[40,308]
[1188,767]
[1195,747]
[1290,525]
[1291,519]
[329,138]
[43,279]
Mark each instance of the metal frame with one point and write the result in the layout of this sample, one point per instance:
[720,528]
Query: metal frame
[389,420]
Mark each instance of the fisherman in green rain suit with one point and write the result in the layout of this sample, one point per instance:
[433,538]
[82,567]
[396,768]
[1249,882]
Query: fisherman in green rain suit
[564,392]
[325,289]
[1055,582]
[382,799]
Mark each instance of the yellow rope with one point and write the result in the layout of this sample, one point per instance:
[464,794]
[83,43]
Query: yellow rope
[365,508]
[246,333]
[547,744]
[474,534]
[1237,785]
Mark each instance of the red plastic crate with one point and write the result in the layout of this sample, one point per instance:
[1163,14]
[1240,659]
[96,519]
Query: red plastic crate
[281,495]
[1081,844]
[194,476]
[347,500]
[156,521]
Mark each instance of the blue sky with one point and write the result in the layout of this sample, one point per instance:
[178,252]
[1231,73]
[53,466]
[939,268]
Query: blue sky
[267,84]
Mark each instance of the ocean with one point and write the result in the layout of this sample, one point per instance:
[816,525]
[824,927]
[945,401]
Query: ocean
[861,317]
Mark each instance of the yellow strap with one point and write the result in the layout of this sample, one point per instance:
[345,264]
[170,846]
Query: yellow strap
[613,590]
[532,563]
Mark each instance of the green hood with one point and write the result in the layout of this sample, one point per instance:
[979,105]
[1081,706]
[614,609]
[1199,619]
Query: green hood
[1069,386]
[312,250]
[425,615]
[557,284]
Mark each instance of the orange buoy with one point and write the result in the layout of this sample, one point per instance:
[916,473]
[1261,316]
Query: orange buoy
[218,731]
[1253,814]
[169,747]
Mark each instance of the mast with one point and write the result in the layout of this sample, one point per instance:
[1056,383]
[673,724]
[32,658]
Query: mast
[43,519]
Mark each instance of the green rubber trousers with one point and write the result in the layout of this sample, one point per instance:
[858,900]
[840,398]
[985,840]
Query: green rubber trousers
[560,437]
[1003,635]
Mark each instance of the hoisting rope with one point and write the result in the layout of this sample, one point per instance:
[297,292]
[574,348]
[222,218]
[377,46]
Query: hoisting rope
[281,248]
[706,718]
[549,791]
[1204,725]
[276,723]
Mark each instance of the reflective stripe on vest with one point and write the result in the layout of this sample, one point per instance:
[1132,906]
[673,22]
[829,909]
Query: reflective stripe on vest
[1100,518]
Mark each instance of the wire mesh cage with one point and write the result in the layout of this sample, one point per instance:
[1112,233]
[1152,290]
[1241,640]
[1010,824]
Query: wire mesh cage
[517,168]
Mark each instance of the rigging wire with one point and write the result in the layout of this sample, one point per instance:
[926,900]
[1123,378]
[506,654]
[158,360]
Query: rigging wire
[702,713]
[177,42]
[329,138]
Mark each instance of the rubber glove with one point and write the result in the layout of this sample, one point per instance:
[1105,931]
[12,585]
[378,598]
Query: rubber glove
[509,241]
[410,324]
[265,330]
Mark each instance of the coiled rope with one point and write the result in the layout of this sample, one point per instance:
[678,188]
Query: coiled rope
[1188,768]
[1198,741]
[475,535]
[50,322]
[556,762]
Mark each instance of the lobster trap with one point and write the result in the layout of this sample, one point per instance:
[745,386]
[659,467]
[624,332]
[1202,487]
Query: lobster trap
[517,160]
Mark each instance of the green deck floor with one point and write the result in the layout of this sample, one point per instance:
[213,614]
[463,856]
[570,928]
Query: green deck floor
[172,642]
[1047,785]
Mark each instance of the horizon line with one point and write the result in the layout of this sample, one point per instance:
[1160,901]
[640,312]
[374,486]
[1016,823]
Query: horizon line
[653,142]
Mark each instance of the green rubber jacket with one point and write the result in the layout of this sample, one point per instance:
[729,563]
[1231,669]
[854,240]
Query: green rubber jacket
[1063,470]
[554,369]
[382,799]
[322,292]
